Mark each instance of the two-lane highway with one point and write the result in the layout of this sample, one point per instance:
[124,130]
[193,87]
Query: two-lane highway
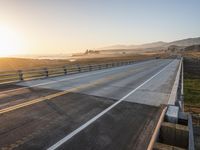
[115,108]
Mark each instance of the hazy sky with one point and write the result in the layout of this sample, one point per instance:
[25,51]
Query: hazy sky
[66,26]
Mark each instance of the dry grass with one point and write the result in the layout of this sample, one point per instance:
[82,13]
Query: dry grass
[192,83]
[195,55]
[24,64]
[192,91]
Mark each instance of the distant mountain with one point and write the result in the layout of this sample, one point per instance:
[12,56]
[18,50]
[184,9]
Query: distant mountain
[112,47]
[185,42]
[147,45]
[152,45]
[160,44]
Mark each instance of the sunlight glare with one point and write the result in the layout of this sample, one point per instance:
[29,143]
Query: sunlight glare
[10,42]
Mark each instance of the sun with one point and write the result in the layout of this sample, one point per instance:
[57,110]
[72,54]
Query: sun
[10,42]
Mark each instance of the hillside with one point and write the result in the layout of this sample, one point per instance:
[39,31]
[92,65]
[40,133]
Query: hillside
[147,45]
[159,44]
[185,42]
[192,48]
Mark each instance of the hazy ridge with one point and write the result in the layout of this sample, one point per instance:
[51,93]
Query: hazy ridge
[161,44]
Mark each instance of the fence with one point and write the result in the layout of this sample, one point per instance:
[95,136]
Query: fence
[20,75]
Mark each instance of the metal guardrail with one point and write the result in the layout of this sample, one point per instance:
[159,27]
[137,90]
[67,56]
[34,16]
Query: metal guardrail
[21,75]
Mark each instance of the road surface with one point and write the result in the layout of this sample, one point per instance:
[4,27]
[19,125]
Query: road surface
[112,109]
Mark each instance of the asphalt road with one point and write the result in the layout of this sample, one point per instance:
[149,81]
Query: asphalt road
[115,108]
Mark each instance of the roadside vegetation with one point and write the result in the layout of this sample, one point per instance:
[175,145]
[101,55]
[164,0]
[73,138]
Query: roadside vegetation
[192,84]
[192,91]
[10,64]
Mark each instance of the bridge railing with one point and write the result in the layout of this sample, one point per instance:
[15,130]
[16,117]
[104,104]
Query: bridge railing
[21,75]
[176,96]
[177,99]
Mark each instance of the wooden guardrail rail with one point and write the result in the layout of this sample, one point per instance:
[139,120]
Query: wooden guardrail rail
[20,75]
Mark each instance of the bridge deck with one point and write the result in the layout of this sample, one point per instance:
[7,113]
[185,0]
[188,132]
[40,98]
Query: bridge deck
[31,119]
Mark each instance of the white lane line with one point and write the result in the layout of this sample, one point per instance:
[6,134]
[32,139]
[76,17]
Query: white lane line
[73,133]
[72,78]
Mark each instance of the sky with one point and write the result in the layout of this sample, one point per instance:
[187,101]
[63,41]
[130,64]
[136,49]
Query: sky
[69,26]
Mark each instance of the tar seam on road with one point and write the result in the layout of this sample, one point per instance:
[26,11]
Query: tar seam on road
[51,82]
[73,133]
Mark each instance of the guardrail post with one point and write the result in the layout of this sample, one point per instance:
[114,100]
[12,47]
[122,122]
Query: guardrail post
[65,70]
[20,75]
[46,72]
[79,68]
[90,68]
